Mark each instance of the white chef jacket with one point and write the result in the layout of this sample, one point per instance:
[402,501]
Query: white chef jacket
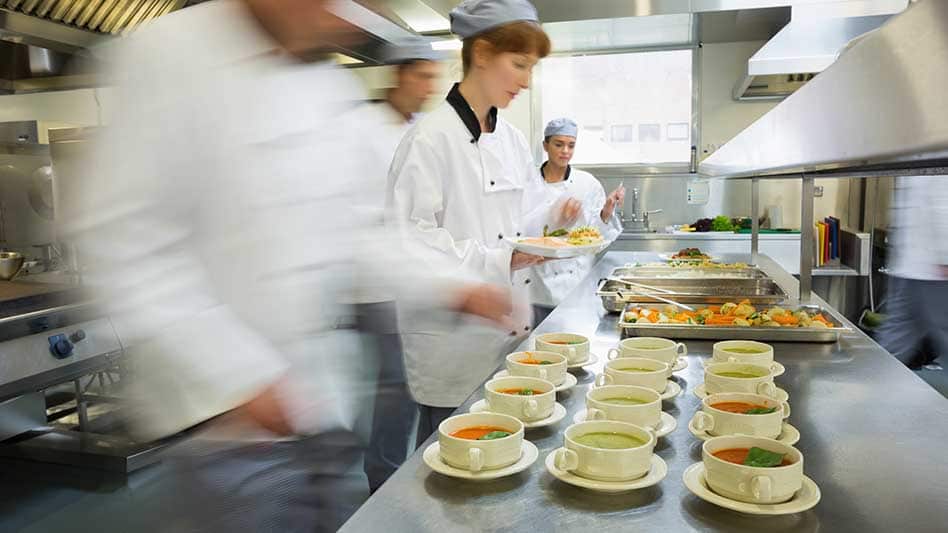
[553,280]
[218,224]
[920,222]
[461,191]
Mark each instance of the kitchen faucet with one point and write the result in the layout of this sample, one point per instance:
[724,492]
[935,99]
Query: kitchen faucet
[636,222]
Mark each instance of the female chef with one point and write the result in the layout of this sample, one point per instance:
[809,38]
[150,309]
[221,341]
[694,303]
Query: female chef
[560,184]
[459,186]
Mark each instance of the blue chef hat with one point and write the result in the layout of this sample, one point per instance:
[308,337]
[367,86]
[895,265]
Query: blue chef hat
[560,126]
[473,17]
[412,50]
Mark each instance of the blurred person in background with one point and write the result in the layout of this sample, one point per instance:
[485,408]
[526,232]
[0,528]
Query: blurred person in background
[460,182]
[416,73]
[565,185]
[223,234]
[917,300]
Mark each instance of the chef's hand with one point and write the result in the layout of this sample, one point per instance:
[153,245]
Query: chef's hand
[520,260]
[266,411]
[616,198]
[569,212]
[487,301]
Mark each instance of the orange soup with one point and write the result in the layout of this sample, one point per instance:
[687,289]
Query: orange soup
[520,392]
[479,432]
[564,342]
[535,362]
[738,456]
[743,408]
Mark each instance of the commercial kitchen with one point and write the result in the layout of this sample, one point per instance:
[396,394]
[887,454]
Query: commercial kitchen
[762,146]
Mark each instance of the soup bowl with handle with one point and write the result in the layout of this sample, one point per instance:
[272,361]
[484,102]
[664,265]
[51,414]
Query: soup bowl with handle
[751,352]
[604,464]
[664,350]
[646,414]
[536,406]
[759,379]
[574,347]
[647,373]
[554,372]
[480,455]
[752,484]
[712,421]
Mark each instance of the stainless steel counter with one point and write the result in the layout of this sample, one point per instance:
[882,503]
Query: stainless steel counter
[873,436]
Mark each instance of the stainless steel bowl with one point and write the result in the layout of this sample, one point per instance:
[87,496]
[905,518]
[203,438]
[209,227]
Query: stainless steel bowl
[10,265]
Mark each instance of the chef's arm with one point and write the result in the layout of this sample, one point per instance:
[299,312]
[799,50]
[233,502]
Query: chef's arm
[596,200]
[938,218]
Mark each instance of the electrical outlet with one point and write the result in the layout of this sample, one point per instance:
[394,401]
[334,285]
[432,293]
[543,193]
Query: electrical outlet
[818,191]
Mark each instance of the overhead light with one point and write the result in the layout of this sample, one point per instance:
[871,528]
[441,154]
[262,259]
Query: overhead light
[448,44]
[343,59]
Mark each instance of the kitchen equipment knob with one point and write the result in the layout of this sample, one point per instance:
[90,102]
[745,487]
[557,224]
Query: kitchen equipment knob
[77,336]
[60,346]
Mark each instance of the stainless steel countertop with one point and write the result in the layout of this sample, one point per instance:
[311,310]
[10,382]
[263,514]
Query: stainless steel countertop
[872,437]
[706,236]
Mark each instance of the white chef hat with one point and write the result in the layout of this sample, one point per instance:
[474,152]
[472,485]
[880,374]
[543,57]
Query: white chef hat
[473,17]
[560,126]
[410,50]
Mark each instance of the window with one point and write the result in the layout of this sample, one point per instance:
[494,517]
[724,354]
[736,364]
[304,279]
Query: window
[631,108]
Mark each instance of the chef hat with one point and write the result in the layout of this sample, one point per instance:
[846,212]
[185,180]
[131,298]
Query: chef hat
[473,17]
[560,126]
[410,50]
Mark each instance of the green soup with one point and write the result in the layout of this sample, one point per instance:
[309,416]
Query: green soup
[609,441]
[623,400]
[743,375]
[744,350]
[649,347]
[635,369]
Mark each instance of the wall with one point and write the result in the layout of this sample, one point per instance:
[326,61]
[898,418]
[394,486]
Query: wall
[59,109]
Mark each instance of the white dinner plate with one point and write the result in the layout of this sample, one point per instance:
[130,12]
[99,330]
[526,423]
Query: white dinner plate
[528,455]
[591,360]
[672,389]
[805,498]
[556,252]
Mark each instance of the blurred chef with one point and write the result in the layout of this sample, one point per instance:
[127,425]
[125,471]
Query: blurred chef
[916,307]
[562,184]
[219,229]
[416,74]
[460,184]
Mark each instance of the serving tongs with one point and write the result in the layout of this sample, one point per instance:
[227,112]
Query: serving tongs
[640,285]
[657,297]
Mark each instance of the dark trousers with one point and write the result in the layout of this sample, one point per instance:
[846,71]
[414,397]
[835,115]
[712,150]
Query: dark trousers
[429,418]
[394,414]
[915,310]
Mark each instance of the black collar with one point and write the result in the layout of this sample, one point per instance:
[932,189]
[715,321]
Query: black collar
[565,176]
[463,109]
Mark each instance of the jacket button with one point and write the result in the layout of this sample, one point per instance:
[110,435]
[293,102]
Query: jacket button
[570,271]
[526,328]
[527,282]
[492,183]
[518,234]
[500,235]
[513,333]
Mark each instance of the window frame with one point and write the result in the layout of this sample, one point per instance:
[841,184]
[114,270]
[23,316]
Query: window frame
[626,170]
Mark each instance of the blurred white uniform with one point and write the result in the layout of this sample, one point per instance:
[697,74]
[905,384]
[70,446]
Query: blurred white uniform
[555,279]
[220,229]
[460,192]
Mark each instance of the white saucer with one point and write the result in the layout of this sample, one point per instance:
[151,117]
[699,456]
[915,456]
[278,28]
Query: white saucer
[528,455]
[789,435]
[657,473]
[805,498]
[591,360]
[680,365]
[665,426]
[672,389]
[559,413]
[782,395]
[567,384]
[779,369]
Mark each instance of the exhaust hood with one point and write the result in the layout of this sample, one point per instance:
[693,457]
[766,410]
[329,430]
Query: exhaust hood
[808,44]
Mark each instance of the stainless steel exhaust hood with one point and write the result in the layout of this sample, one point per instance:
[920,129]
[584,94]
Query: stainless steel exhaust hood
[809,44]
